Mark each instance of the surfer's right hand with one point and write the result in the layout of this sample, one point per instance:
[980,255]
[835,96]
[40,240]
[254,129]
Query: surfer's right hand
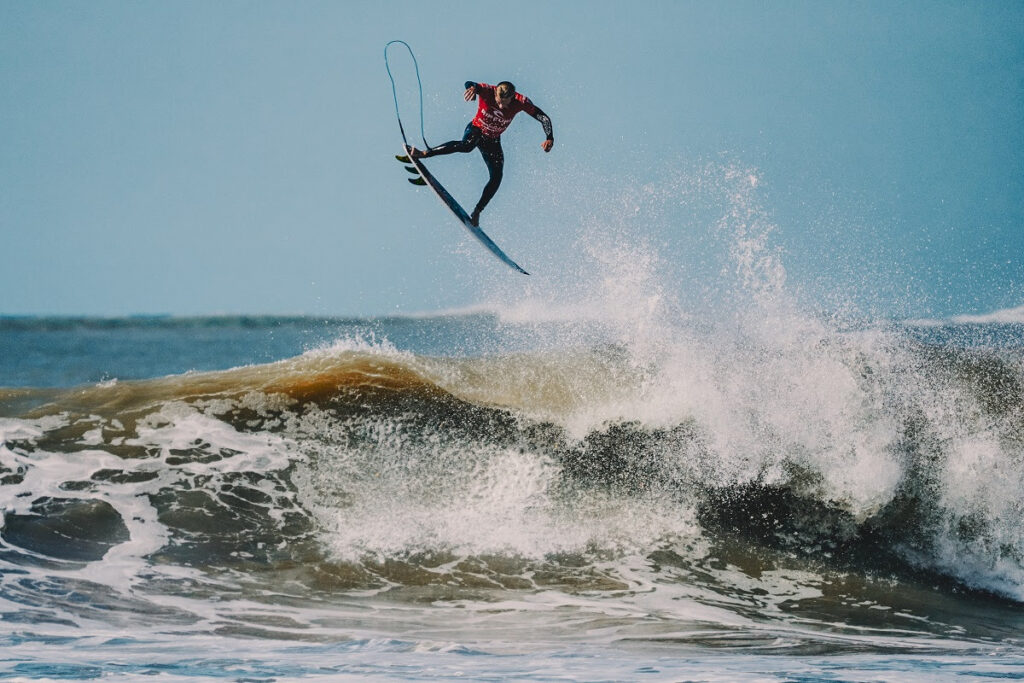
[470,93]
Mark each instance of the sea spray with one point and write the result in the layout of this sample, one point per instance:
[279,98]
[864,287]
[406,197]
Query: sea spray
[860,418]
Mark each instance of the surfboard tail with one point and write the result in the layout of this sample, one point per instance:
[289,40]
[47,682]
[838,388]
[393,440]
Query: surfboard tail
[428,179]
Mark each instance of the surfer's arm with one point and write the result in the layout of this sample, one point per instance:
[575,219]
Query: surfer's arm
[545,121]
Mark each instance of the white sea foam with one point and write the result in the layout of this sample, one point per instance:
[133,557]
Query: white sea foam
[45,474]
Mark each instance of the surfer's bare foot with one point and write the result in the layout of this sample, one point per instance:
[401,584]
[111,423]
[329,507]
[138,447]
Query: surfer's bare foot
[417,153]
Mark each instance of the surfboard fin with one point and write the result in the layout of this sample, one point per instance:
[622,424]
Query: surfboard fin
[417,181]
[404,159]
[412,169]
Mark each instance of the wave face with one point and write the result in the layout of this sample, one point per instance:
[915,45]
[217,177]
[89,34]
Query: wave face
[618,472]
[751,475]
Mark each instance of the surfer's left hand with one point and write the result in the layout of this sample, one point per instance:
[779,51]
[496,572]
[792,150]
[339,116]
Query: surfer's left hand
[547,145]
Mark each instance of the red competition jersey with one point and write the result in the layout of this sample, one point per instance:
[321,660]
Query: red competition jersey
[492,120]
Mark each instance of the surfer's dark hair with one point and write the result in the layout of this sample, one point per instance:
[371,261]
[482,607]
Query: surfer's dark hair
[505,89]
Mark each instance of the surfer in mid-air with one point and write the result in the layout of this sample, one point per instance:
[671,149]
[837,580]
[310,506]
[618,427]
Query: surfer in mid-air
[498,104]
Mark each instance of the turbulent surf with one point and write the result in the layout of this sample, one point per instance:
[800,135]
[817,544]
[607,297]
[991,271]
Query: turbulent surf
[622,487]
[835,493]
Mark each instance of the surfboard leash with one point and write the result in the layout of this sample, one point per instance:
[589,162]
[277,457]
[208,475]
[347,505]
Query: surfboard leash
[394,91]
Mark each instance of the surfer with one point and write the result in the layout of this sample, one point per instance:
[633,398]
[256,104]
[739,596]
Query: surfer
[498,105]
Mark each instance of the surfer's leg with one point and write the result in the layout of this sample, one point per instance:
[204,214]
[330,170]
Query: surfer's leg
[494,157]
[467,144]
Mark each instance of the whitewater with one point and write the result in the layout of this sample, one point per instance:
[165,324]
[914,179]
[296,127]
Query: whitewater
[619,475]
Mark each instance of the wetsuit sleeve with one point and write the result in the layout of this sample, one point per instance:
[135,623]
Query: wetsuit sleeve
[533,110]
[536,112]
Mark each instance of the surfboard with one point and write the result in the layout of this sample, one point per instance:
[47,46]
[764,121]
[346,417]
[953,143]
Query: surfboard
[430,181]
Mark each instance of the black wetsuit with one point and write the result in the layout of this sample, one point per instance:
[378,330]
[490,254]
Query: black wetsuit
[490,149]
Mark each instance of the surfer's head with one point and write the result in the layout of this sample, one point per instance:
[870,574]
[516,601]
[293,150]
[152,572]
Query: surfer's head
[504,92]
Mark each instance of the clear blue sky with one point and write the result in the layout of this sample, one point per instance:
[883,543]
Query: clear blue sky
[235,157]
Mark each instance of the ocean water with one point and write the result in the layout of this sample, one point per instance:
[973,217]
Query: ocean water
[620,475]
[465,496]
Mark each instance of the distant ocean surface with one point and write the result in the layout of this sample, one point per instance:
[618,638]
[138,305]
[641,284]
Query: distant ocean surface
[486,496]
